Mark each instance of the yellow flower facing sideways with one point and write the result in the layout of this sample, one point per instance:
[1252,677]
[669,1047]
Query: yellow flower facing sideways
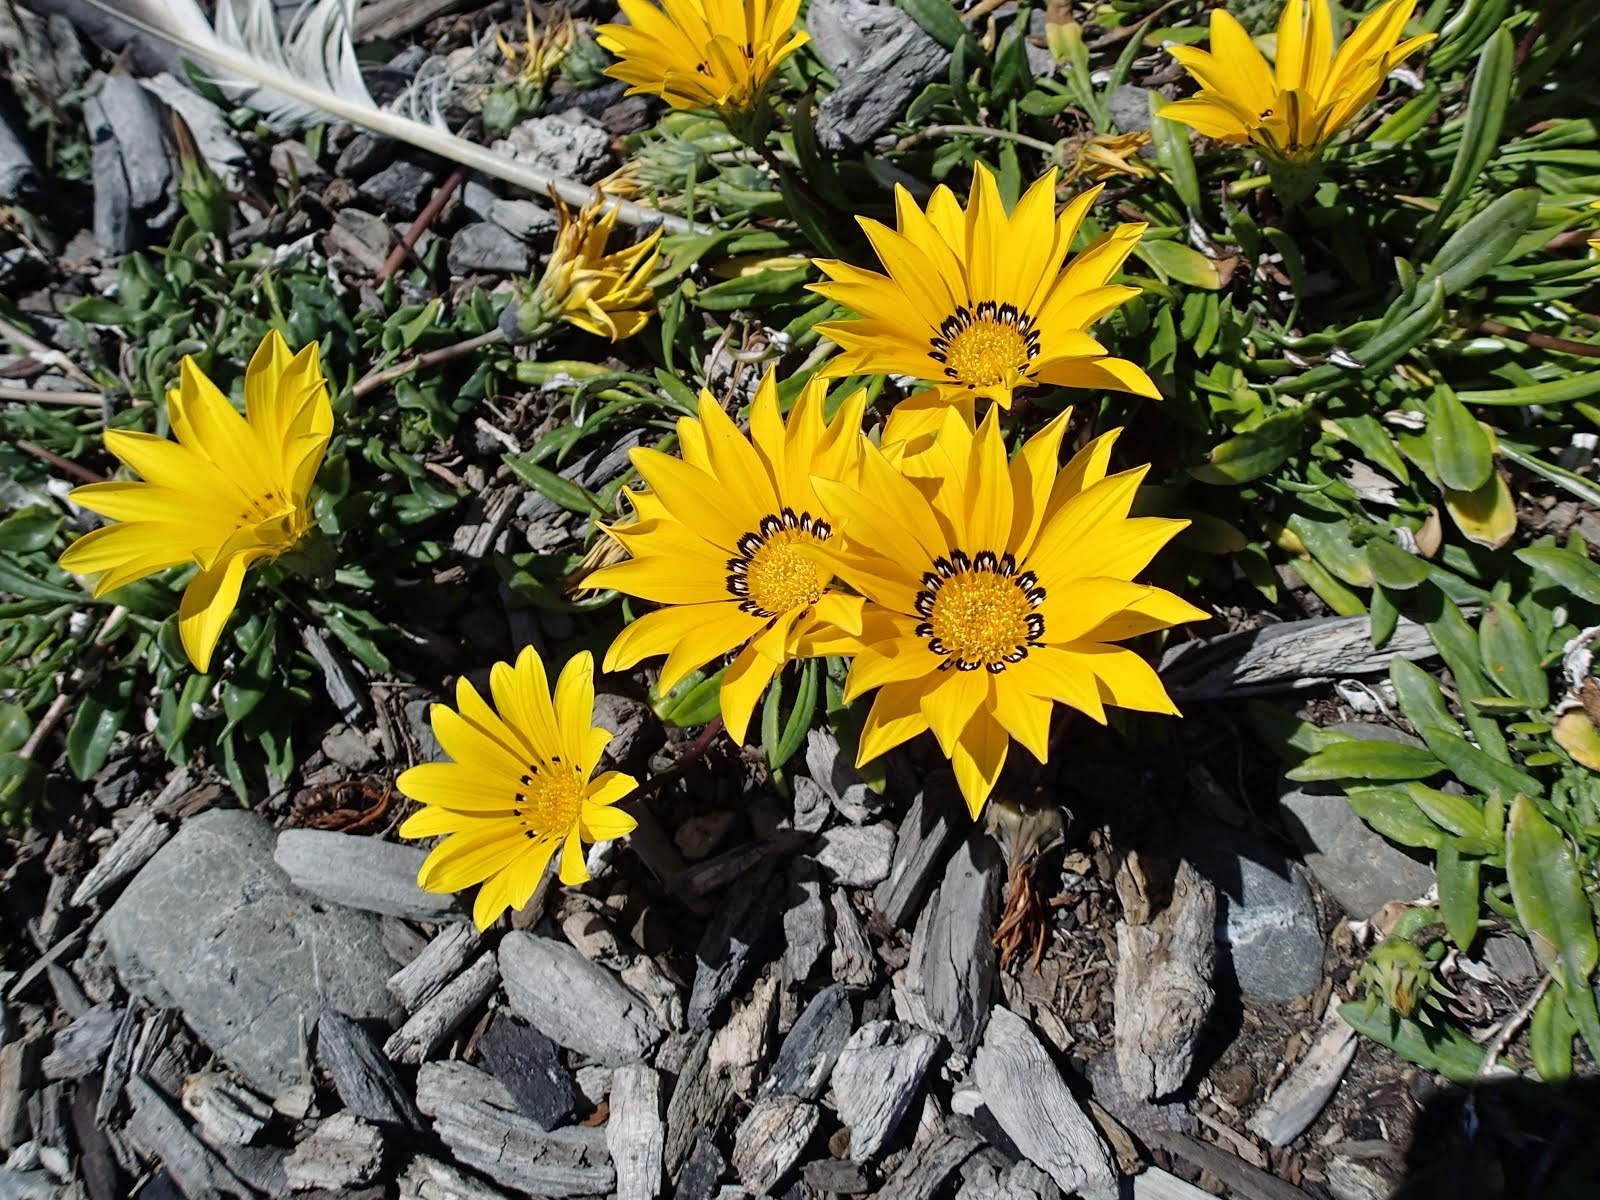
[1293,110]
[607,294]
[994,591]
[519,788]
[724,543]
[230,491]
[716,54]
[982,303]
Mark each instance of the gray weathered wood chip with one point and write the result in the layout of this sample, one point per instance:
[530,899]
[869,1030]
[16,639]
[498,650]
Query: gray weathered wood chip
[635,1132]
[770,1140]
[574,1002]
[439,1018]
[1295,1103]
[875,1080]
[414,984]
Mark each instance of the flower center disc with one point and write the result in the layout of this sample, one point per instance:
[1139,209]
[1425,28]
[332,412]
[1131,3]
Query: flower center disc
[781,577]
[772,574]
[550,800]
[990,345]
[978,612]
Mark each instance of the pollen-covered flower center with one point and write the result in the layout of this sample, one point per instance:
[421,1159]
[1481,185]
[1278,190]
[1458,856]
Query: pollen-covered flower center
[772,573]
[989,344]
[978,611]
[267,507]
[549,798]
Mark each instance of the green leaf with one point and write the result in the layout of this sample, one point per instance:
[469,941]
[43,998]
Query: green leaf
[1480,131]
[1567,570]
[1455,813]
[356,640]
[1550,1037]
[781,745]
[1393,813]
[1403,329]
[1548,893]
[938,20]
[21,789]
[28,529]
[1475,768]
[1394,568]
[17,581]
[96,724]
[1458,894]
[695,701]
[1366,760]
[1172,151]
[1461,451]
[14,727]
[1420,698]
[1562,390]
[1511,657]
[1484,242]
[1442,1048]
[1286,735]
[1254,453]
[555,488]
[1173,260]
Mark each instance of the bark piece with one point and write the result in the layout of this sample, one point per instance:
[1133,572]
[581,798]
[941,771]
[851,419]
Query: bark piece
[414,984]
[438,1018]
[854,964]
[805,922]
[362,1076]
[857,855]
[740,1046]
[82,1046]
[1025,1092]
[770,1140]
[875,92]
[1295,1103]
[923,1172]
[808,1054]
[1163,988]
[875,1080]
[727,948]
[635,1134]
[697,1103]
[952,968]
[342,1152]
[161,1135]
[135,846]
[576,1003]
[429,1179]
[529,1065]
[361,872]
[476,1117]
[226,1113]
[924,842]
[702,1171]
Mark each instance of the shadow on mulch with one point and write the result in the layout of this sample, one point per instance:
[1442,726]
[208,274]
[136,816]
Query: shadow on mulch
[1516,1140]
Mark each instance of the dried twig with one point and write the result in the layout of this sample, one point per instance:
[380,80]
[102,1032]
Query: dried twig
[424,218]
[65,465]
[377,379]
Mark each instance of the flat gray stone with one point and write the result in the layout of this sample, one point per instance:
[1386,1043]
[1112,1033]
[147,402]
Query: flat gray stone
[571,144]
[212,927]
[485,246]
[360,871]
[1361,867]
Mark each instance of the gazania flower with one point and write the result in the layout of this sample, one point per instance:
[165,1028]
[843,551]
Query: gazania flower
[981,303]
[994,591]
[605,293]
[1294,111]
[724,540]
[229,492]
[519,788]
[716,54]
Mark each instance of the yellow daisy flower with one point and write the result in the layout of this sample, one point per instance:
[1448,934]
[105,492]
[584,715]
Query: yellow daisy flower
[723,542]
[1293,111]
[981,303]
[583,285]
[229,492]
[994,590]
[519,788]
[716,54]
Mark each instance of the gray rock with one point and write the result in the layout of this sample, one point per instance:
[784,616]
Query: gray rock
[529,1065]
[845,32]
[361,872]
[27,1185]
[1508,957]
[136,123]
[570,144]
[349,748]
[702,1170]
[400,187]
[420,727]
[212,927]
[806,1059]
[362,155]
[576,1003]
[1129,106]
[485,246]
[1361,867]
[1266,916]
[525,220]
[478,199]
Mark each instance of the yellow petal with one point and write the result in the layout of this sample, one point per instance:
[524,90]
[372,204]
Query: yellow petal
[207,604]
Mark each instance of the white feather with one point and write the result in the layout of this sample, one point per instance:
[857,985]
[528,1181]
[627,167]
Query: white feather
[313,72]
